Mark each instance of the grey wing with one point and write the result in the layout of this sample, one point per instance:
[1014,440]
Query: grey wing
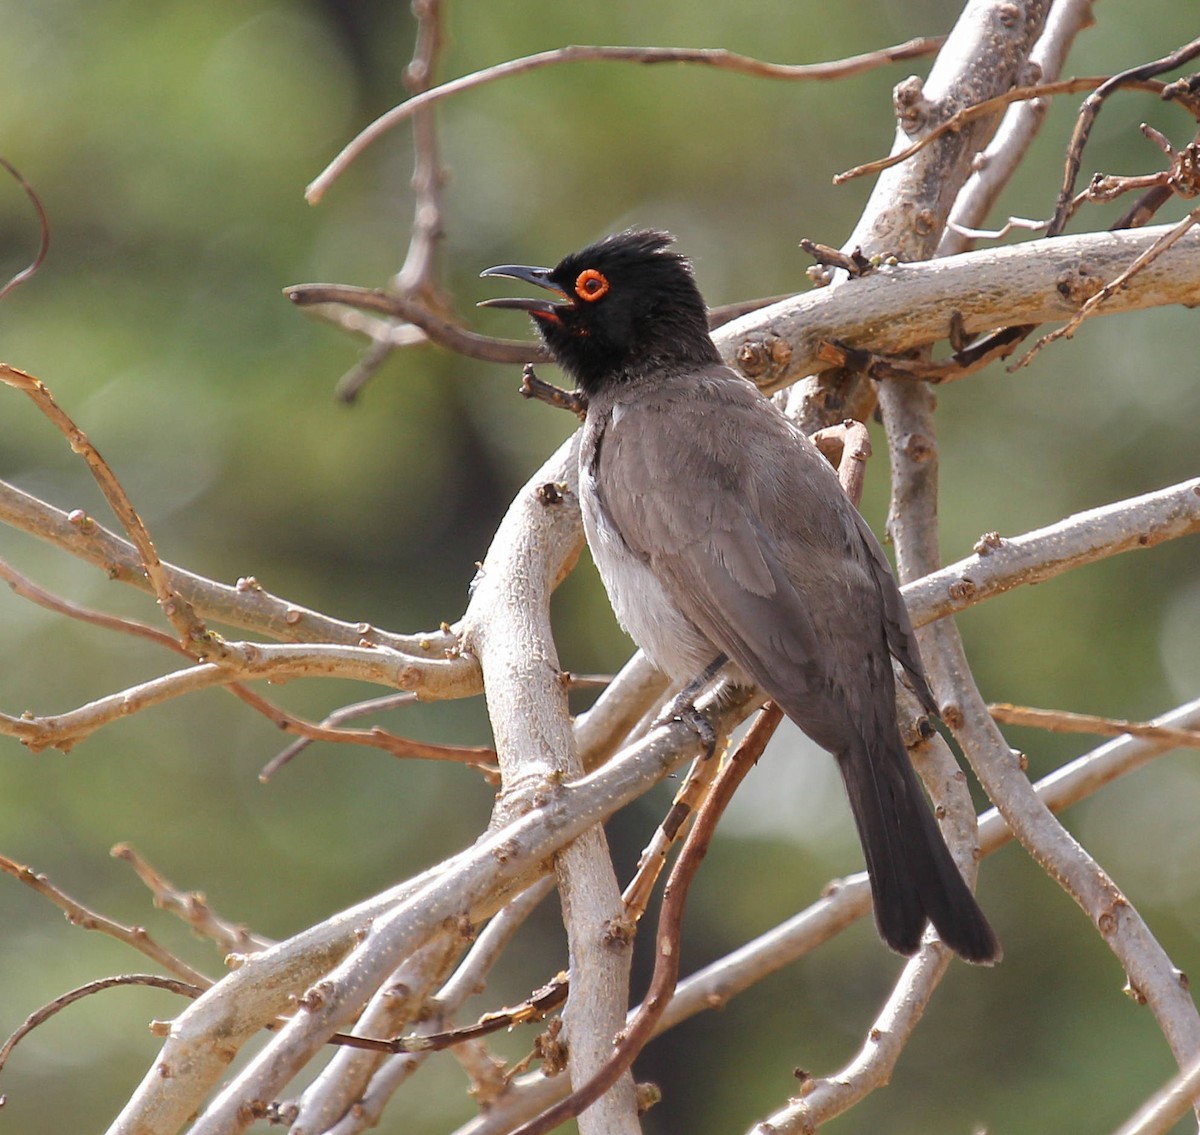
[689,506]
[900,638]
[750,534]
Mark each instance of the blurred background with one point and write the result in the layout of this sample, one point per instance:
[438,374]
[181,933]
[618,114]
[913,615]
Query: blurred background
[171,143]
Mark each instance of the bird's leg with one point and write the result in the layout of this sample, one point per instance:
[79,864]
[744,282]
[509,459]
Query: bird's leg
[682,707]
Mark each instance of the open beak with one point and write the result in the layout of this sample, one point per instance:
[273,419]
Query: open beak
[538,276]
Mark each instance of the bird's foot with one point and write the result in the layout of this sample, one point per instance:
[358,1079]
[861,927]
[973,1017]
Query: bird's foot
[682,709]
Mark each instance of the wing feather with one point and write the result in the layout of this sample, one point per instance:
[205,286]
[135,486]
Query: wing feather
[745,527]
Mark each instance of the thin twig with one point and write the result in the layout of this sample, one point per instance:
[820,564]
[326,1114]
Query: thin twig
[481,758]
[192,632]
[723,60]
[534,1008]
[79,915]
[1062,721]
[418,277]
[25,587]
[247,604]
[191,906]
[270,661]
[976,111]
[345,713]
[43,228]
[440,328]
[1134,77]
[473,756]
[691,794]
[154,981]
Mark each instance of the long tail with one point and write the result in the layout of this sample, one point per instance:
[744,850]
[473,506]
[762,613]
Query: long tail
[913,877]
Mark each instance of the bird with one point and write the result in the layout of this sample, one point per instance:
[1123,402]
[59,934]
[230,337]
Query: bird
[724,539]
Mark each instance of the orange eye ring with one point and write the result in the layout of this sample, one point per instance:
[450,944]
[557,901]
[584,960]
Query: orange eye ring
[590,285]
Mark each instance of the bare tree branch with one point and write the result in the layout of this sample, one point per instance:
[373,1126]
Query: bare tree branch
[1061,721]
[999,160]
[843,902]
[1091,108]
[724,60]
[247,605]
[465,889]
[192,632]
[34,1020]
[1118,283]
[507,627]
[1044,281]
[43,229]
[191,906]
[908,414]
[79,915]
[1001,563]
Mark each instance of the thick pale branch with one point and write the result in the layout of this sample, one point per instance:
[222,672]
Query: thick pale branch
[271,661]
[507,628]
[910,305]
[1002,563]
[403,998]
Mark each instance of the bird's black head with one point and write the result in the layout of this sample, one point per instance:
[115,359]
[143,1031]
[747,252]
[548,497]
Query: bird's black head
[631,309]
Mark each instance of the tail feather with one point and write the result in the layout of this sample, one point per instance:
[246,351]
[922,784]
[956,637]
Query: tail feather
[914,879]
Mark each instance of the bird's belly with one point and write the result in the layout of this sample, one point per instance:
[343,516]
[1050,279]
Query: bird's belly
[641,603]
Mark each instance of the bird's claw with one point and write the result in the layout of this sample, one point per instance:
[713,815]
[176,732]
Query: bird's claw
[683,710]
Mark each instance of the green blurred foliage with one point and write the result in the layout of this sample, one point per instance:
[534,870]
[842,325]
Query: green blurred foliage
[171,142]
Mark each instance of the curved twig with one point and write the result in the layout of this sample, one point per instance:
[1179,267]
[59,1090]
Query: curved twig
[981,110]
[43,227]
[577,53]
[192,632]
[154,981]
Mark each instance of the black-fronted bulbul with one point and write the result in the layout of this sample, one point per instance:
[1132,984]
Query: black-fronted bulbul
[720,530]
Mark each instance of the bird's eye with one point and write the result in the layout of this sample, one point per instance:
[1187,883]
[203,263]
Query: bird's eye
[590,285]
